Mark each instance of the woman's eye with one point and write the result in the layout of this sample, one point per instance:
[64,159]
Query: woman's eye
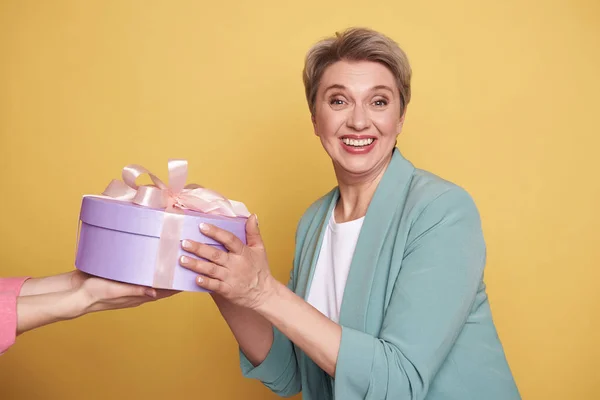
[336,102]
[380,103]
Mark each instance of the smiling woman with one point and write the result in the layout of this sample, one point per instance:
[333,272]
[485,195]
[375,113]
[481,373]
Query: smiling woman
[358,116]
[386,298]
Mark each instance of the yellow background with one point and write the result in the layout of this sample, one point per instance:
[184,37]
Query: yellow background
[505,104]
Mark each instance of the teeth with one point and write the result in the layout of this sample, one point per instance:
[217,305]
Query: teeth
[357,143]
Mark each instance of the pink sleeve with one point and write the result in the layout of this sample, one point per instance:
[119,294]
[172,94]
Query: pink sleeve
[9,290]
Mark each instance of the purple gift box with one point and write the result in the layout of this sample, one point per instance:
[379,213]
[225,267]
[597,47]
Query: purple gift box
[132,234]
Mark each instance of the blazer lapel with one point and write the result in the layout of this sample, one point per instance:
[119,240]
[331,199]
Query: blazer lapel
[387,200]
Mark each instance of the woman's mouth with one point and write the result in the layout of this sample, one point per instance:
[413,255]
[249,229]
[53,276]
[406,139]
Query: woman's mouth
[358,142]
[358,145]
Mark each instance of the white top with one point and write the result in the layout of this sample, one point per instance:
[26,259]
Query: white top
[333,265]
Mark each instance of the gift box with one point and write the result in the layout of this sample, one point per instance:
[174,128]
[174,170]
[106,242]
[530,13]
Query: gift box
[133,233]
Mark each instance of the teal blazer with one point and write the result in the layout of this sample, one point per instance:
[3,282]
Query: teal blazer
[415,317]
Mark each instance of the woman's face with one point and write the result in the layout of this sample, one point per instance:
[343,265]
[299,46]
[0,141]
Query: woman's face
[357,116]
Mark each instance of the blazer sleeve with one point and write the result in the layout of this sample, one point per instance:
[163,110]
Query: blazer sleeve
[441,270]
[9,291]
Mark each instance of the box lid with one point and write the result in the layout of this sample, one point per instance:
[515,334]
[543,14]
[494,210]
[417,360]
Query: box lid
[128,217]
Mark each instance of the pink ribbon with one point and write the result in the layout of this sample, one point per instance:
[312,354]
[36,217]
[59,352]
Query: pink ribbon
[173,198]
[174,195]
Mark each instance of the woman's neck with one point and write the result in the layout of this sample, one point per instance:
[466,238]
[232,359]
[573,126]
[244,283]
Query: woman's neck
[356,192]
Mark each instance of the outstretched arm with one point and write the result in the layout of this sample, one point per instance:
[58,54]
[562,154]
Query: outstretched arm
[63,297]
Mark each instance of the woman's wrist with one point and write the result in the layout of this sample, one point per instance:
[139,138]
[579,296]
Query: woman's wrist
[69,304]
[34,311]
[82,304]
[270,295]
[50,284]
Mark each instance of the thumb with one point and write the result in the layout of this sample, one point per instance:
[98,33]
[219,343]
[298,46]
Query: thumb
[253,238]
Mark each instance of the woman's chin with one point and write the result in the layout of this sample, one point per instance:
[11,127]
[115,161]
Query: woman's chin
[357,166]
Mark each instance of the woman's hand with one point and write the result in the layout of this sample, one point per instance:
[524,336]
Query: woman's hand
[95,290]
[240,275]
[74,294]
[98,294]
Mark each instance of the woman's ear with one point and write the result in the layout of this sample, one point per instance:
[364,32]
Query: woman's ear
[314,123]
[401,122]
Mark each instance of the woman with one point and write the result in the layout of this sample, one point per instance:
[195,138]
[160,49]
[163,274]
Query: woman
[29,303]
[386,298]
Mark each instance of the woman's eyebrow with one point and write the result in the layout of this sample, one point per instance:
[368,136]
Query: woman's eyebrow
[384,87]
[335,86]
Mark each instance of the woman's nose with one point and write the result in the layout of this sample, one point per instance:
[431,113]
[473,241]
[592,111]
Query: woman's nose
[358,119]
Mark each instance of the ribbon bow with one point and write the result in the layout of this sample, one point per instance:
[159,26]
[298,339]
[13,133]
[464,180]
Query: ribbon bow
[174,195]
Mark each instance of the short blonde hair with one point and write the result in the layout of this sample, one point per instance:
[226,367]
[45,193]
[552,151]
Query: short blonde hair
[356,44]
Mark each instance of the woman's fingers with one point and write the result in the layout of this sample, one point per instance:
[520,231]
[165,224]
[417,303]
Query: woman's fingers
[206,251]
[253,233]
[203,267]
[226,238]
[211,276]
[163,293]
[213,285]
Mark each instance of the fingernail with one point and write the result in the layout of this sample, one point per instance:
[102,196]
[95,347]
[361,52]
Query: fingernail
[203,227]
[150,292]
[185,260]
[200,279]
[256,217]
[186,244]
